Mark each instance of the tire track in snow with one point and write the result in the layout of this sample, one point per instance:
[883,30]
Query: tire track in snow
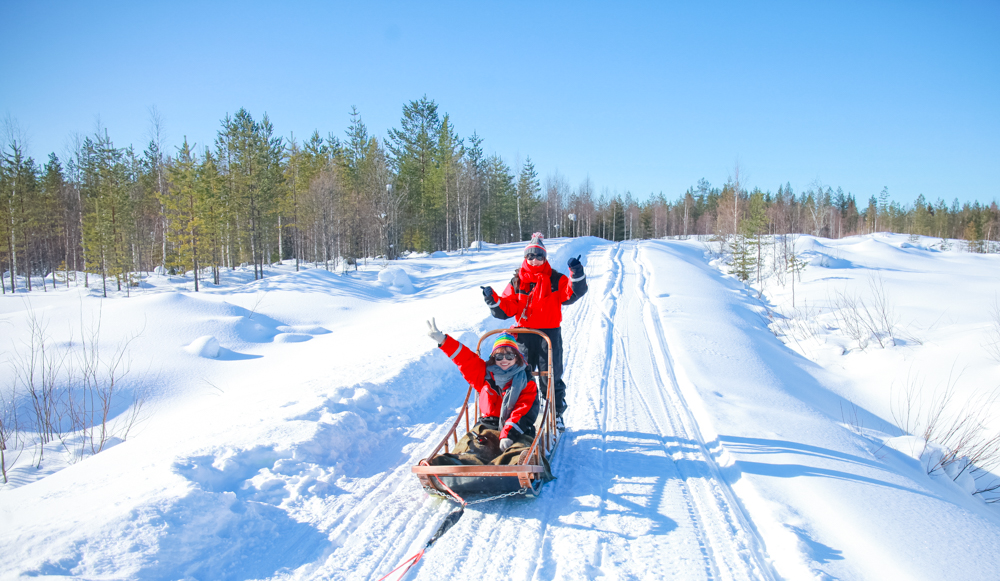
[731,529]
[662,420]
[637,424]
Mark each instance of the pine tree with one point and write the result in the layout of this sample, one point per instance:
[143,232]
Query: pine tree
[528,189]
[851,216]
[974,231]
[18,178]
[250,158]
[185,211]
[289,203]
[475,170]
[741,259]
[412,152]
[882,213]
[449,155]
[212,208]
[922,215]
[752,230]
[51,222]
[500,212]
[617,225]
[313,213]
[353,158]
[270,150]
[871,216]
[107,209]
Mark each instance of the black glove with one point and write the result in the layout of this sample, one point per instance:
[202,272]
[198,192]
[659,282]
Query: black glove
[575,267]
[489,296]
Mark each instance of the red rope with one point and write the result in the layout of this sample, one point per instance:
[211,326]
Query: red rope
[457,498]
[408,563]
[447,524]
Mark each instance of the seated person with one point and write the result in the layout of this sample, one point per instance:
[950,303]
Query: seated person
[508,401]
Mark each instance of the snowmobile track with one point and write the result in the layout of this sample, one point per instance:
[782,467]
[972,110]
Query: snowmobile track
[640,403]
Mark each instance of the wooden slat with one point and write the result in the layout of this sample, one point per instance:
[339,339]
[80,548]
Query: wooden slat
[478,470]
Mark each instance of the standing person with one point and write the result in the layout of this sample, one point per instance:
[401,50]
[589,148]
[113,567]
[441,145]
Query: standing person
[534,298]
[507,396]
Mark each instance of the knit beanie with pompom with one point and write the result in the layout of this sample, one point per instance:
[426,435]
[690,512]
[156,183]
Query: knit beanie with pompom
[536,246]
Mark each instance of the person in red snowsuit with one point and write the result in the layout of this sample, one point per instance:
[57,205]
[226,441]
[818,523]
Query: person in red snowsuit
[507,395]
[534,298]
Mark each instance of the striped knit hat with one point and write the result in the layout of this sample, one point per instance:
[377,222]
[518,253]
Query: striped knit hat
[507,340]
[536,246]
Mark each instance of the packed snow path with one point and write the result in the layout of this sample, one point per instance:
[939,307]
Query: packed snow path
[660,508]
[637,491]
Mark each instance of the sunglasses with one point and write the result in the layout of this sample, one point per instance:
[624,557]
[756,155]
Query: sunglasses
[534,256]
[505,357]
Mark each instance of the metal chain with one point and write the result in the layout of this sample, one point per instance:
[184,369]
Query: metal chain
[498,497]
[437,492]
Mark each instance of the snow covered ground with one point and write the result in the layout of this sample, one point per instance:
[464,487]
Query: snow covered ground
[711,434]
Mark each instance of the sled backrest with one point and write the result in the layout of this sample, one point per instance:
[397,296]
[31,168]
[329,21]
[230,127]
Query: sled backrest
[529,466]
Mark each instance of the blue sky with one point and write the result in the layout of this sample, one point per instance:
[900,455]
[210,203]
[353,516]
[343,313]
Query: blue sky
[641,97]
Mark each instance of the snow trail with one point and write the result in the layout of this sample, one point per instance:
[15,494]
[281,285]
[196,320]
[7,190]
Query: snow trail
[657,487]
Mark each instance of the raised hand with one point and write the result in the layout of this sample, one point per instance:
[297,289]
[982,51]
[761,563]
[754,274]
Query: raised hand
[489,296]
[434,333]
[575,266]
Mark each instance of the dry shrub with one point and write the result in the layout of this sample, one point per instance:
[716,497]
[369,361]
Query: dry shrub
[867,319]
[71,393]
[960,427]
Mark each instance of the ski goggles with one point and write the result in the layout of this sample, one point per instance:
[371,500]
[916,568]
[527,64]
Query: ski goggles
[534,256]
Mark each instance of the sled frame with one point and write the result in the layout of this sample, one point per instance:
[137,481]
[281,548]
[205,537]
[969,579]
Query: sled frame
[529,470]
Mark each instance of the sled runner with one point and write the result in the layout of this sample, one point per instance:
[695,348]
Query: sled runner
[527,473]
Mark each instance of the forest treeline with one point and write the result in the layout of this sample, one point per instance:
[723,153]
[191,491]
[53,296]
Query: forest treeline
[253,198]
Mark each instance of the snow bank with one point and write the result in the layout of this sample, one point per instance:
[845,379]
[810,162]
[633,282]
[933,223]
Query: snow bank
[305,329]
[823,260]
[560,250]
[206,346]
[291,337]
[396,278]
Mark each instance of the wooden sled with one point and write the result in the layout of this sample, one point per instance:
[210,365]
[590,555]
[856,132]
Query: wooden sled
[527,474]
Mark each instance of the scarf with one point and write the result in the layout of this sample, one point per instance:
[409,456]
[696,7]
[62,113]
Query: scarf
[517,375]
[541,275]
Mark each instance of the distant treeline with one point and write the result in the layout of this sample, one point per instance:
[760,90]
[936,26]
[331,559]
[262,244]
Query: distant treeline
[255,198]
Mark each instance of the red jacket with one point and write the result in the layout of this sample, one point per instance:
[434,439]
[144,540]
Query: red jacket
[522,417]
[534,305]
